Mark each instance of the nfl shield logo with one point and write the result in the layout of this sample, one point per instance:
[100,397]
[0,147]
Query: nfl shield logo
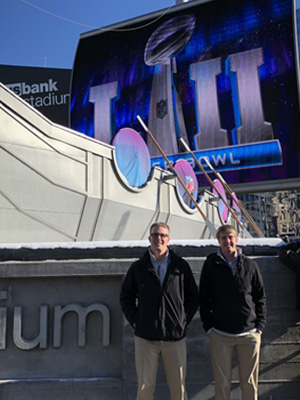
[190,184]
[161,109]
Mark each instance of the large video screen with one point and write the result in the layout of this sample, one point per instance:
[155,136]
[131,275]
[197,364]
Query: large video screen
[222,75]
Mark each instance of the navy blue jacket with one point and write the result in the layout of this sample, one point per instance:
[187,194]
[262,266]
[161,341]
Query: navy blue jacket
[155,312]
[232,302]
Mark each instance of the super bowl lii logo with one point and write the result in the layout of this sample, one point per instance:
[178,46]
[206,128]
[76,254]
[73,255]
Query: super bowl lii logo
[166,117]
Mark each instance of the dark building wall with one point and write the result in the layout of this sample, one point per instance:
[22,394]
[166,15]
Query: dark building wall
[46,89]
[34,368]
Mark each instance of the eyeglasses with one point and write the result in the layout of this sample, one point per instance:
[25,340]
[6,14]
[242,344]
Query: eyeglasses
[162,235]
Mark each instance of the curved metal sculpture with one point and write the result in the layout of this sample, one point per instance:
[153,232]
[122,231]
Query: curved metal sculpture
[57,185]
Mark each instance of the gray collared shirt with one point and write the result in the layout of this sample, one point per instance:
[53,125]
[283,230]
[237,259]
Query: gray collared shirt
[160,266]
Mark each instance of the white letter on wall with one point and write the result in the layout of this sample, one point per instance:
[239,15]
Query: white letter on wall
[82,313]
[102,96]
[247,102]
[209,134]
[41,339]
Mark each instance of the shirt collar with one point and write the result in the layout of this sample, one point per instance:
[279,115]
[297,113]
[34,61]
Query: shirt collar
[235,258]
[154,260]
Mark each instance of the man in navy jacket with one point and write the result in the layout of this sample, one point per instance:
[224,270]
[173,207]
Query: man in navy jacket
[159,298]
[233,312]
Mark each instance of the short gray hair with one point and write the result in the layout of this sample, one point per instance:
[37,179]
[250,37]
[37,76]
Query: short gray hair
[158,225]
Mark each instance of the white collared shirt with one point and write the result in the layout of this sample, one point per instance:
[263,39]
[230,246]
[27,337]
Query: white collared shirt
[231,264]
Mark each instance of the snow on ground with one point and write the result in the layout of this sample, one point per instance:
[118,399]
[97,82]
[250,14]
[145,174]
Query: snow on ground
[271,242]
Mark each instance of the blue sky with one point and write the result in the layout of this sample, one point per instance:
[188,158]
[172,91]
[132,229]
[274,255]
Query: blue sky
[46,32]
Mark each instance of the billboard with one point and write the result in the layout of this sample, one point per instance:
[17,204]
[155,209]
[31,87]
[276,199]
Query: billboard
[220,75]
[46,89]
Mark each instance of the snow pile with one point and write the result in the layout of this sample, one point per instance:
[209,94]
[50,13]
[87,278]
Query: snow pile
[257,242]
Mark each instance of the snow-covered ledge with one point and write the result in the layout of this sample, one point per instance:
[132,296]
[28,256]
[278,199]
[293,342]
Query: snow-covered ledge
[126,249]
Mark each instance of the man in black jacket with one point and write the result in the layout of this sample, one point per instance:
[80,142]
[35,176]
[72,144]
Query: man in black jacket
[159,298]
[233,312]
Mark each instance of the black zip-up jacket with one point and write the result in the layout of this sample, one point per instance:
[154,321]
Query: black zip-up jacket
[155,312]
[232,302]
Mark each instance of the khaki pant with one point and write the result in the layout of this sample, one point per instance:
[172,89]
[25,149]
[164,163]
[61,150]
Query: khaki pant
[247,351]
[173,354]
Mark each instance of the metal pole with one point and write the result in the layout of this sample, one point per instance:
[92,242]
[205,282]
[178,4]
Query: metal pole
[212,183]
[229,191]
[210,226]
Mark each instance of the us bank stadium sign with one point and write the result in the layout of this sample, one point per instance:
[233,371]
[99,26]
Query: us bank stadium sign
[46,89]
[42,94]
[41,340]
[227,86]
